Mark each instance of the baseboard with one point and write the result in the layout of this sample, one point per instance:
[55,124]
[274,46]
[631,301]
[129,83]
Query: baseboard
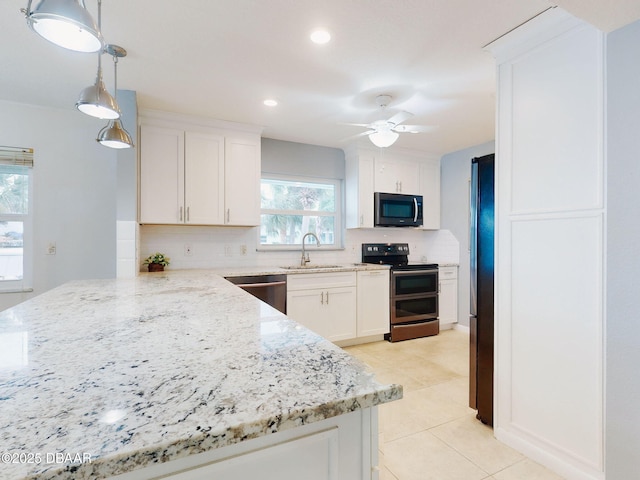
[462,328]
[565,468]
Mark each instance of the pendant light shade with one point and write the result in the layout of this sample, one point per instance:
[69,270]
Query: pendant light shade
[97,102]
[66,23]
[114,136]
[383,138]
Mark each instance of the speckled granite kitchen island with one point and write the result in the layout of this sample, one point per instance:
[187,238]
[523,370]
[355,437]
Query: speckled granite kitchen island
[102,377]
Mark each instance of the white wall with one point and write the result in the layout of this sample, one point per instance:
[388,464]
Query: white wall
[455,175]
[623,261]
[74,194]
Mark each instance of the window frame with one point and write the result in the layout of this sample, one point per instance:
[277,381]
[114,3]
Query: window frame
[25,284]
[337,183]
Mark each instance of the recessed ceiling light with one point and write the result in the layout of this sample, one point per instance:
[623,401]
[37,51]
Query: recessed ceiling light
[270,102]
[320,36]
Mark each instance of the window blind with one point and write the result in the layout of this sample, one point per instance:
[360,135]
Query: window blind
[16,156]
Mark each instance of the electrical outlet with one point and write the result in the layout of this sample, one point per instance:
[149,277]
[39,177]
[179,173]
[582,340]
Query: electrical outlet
[188,251]
[243,249]
[51,248]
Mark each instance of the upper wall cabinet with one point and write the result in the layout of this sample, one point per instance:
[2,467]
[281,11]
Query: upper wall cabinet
[198,176]
[369,171]
[396,176]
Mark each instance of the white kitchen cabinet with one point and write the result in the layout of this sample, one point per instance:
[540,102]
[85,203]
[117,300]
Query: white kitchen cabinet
[181,176]
[430,191]
[200,177]
[373,303]
[359,189]
[396,176]
[324,303]
[341,447]
[447,297]
[242,180]
[161,174]
[368,171]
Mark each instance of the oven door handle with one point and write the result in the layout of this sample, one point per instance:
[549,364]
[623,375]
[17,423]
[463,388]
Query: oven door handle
[415,206]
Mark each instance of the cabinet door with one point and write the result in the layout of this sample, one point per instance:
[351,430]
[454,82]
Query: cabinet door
[339,315]
[408,174]
[448,296]
[313,457]
[373,303]
[430,191]
[242,181]
[330,312]
[359,191]
[307,308]
[386,176]
[161,175]
[204,179]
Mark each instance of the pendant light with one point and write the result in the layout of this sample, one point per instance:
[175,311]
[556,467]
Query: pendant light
[95,100]
[66,23]
[114,135]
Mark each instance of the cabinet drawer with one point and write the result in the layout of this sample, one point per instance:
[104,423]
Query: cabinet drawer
[448,272]
[307,281]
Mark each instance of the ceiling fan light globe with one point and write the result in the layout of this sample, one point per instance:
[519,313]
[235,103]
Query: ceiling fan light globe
[383,139]
[66,23]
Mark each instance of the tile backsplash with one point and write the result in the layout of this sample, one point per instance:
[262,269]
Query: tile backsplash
[213,247]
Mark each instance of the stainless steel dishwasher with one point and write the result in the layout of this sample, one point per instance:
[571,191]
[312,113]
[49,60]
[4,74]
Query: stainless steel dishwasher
[271,289]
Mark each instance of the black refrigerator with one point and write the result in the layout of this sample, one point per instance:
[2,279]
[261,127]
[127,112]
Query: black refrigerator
[482,263]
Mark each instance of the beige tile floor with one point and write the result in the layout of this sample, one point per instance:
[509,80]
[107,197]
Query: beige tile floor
[431,434]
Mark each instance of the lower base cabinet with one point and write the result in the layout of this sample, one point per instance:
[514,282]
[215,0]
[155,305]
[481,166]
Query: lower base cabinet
[448,297]
[324,303]
[339,448]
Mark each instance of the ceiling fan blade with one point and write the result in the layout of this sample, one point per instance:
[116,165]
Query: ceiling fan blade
[356,124]
[353,137]
[413,128]
[400,117]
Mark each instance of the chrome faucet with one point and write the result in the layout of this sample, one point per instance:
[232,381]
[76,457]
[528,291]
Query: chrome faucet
[305,255]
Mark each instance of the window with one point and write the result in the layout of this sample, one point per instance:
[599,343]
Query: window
[15,224]
[293,206]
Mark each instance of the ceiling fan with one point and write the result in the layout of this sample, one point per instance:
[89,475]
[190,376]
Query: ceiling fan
[384,133]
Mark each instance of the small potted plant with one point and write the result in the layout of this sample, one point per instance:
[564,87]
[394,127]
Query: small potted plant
[157,262]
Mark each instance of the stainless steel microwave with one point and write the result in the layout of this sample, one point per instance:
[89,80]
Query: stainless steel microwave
[397,210]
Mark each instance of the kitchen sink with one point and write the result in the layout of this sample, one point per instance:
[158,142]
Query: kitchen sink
[309,267]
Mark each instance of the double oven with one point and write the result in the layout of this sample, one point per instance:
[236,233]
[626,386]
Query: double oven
[413,291]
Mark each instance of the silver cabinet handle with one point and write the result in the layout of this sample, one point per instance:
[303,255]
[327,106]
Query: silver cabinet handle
[188,213]
[180,213]
[400,186]
[361,219]
[322,298]
[228,214]
[327,298]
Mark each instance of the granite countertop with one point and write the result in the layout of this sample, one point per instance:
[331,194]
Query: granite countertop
[310,268]
[102,377]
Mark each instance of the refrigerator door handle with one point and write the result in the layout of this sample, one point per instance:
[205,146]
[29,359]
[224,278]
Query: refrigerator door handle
[473,237]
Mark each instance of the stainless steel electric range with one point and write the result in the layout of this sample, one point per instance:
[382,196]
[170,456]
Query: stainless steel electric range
[413,291]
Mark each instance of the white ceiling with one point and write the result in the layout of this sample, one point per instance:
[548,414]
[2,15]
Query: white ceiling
[222,58]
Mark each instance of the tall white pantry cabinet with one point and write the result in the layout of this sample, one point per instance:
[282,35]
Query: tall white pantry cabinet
[550,217]
[198,174]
